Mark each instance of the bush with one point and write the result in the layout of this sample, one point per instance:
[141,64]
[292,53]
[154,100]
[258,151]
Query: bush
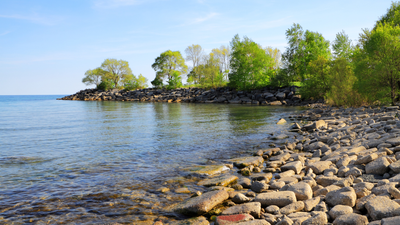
[105,85]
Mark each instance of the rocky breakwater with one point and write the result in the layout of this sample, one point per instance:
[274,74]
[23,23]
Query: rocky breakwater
[342,167]
[265,96]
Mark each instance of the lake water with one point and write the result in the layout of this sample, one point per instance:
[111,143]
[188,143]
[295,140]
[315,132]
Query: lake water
[79,162]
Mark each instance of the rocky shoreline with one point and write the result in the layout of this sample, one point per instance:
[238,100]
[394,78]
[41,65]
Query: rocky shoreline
[342,167]
[267,96]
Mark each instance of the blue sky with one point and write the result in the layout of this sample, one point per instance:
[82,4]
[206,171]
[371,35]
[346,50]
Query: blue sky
[46,45]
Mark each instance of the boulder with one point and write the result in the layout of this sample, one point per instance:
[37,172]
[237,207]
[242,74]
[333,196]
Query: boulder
[293,207]
[319,167]
[395,166]
[339,210]
[279,198]
[390,221]
[381,207]
[302,190]
[201,220]
[259,186]
[201,204]
[394,141]
[378,166]
[207,170]
[296,166]
[252,208]
[311,203]
[343,196]
[240,198]
[316,218]
[351,219]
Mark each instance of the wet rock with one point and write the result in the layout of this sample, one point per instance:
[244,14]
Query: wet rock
[182,191]
[207,170]
[319,167]
[247,161]
[302,190]
[201,204]
[245,182]
[339,210]
[252,208]
[343,196]
[233,219]
[218,181]
[280,198]
[240,198]
[381,207]
[351,219]
[281,121]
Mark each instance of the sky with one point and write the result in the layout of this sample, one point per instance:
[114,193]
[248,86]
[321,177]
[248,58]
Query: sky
[46,46]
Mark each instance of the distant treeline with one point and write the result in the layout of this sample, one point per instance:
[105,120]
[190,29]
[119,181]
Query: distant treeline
[342,73]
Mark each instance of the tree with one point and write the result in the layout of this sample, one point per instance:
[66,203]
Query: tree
[94,76]
[294,35]
[251,67]
[222,54]
[166,64]
[175,81]
[311,47]
[275,53]
[116,71]
[392,16]
[378,63]
[134,82]
[342,47]
[195,54]
[317,82]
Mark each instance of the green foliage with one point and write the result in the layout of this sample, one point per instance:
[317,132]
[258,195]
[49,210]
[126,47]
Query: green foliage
[392,16]
[378,64]
[250,66]
[294,35]
[166,65]
[342,80]
[93,76]
[316,82]
[342,47]
[282,78]
[134,83]
[116,71]
[175,81]
[106,85]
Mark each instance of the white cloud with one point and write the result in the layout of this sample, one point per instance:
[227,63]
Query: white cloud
[116,3]
[32,19]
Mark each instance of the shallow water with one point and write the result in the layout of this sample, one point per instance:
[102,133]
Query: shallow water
[96,162]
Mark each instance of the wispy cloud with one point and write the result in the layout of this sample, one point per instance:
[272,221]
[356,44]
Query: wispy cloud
[116,3]
[5,33]
[199,20]
[33,19]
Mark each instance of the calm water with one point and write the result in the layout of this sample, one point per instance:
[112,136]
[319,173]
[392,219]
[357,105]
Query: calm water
[78,162]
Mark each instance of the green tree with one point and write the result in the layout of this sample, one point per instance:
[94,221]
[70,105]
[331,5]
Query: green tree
[392,16]
[166,65]
[222,54]
[342,80]
[94,76]
[250,66]
[294,36]
[134,82]
[316,83]
[175,81]
[378,63]
[116,71]
[275,53]
[342,47]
